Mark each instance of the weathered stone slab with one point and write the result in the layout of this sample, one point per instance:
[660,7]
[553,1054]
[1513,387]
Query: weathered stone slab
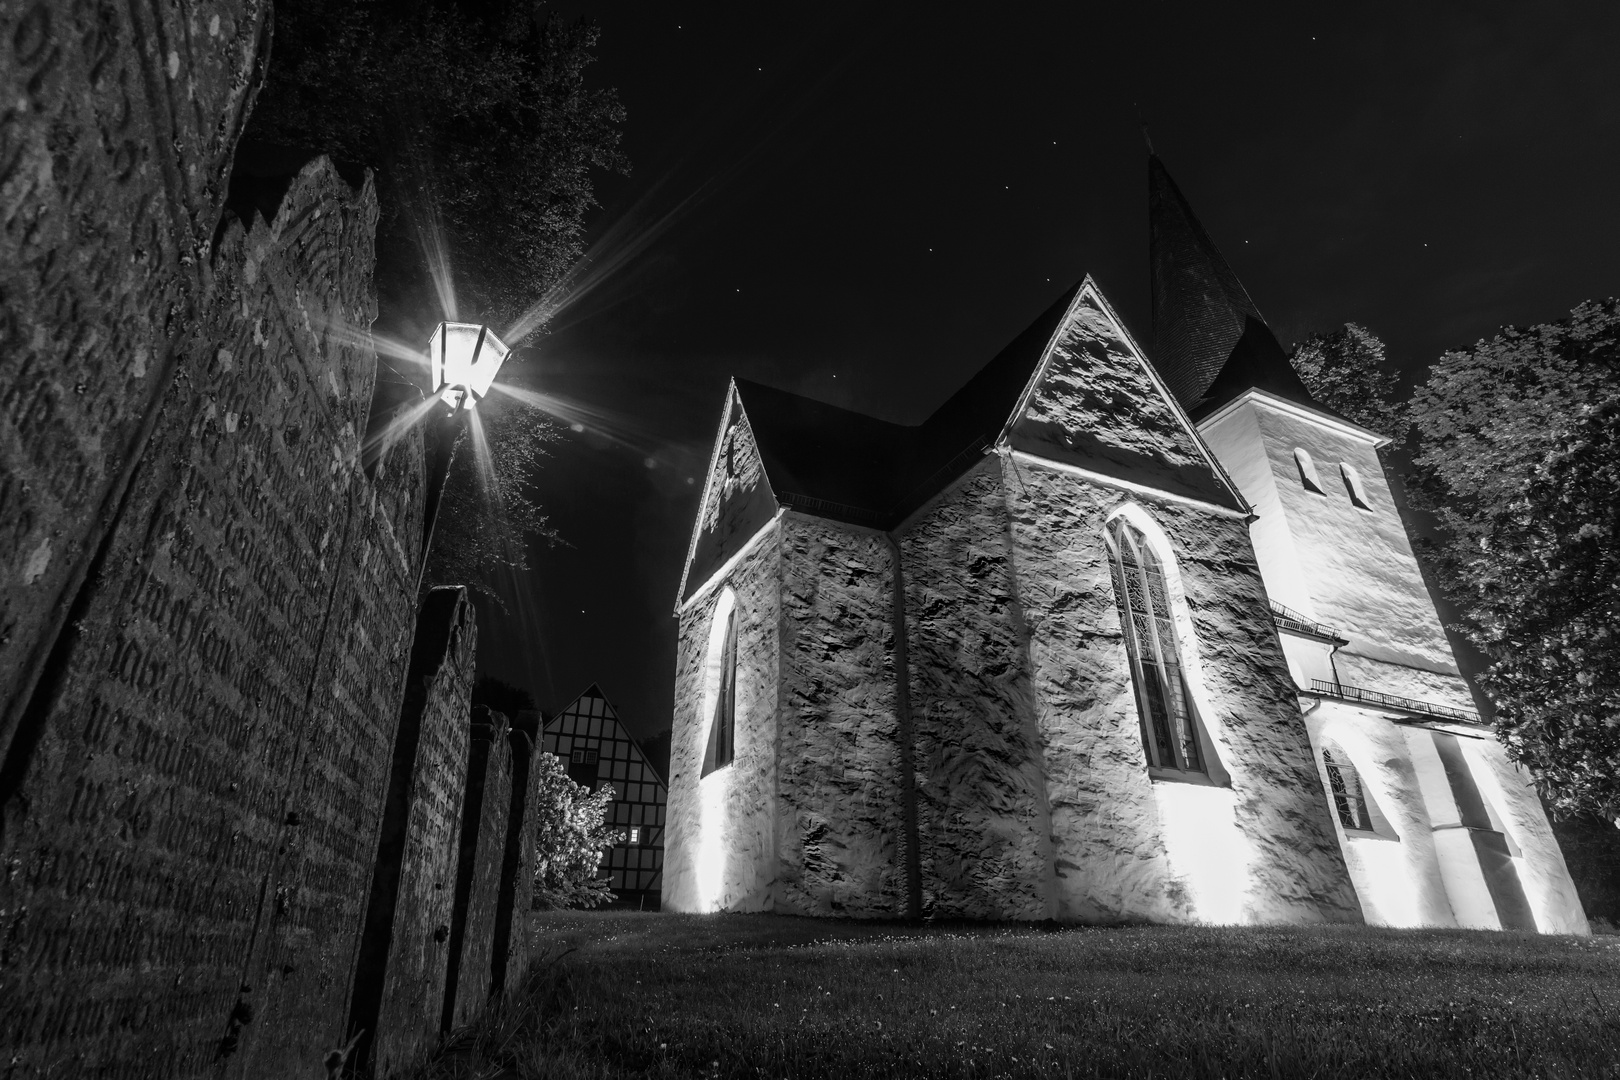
[189,804]
[478,871]
[405,947]
[513,946]
[117,125]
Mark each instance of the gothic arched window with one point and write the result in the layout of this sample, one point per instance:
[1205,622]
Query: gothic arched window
[1169,718]
[1348,799]
[723,719]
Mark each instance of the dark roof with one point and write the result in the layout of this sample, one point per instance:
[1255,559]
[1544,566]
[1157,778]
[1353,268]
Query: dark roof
[856,468]
[1210,342]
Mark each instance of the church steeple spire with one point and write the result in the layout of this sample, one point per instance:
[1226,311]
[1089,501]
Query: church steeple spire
[1210,341]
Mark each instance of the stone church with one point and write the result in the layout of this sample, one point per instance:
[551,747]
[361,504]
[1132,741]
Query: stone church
[1107,637]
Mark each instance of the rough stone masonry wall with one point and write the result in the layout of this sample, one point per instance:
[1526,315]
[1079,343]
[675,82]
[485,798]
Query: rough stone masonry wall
[841,842]
[190,802]
[117,126]
[1110,826]
[983,821]
[478,871]
[719,843]
[401,976]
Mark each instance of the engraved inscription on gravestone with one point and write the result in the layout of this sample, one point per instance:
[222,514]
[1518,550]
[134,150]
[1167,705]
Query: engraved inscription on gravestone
[164,810]
[117,124]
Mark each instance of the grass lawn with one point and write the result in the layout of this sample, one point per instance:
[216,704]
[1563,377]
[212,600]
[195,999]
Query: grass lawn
[772,996]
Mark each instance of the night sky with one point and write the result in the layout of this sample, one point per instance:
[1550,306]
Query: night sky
[864,208]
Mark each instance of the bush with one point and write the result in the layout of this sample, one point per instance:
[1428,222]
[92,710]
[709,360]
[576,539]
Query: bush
[570,836]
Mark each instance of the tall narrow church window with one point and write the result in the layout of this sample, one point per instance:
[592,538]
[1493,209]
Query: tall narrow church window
[722,724]
[1352,484]
[1307,471]
[1348,798]
[1169,721]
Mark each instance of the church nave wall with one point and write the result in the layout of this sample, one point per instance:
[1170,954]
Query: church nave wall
[1128,847]
[983,821]
[719,847]
[840,829]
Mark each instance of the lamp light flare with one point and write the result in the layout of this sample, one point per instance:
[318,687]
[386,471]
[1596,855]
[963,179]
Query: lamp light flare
[463,359]
[398,424]
[581,418]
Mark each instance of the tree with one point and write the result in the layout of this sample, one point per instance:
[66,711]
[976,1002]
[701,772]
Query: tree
[502,696]
[483,136]
[1346,371]
[488,516]
[475,116]
[570,836]
[1518,456]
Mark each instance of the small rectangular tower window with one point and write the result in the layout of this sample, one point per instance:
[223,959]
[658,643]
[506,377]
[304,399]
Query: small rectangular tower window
[1307,471]
[1352,484]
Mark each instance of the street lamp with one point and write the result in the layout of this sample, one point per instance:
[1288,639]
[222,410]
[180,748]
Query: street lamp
[464,359]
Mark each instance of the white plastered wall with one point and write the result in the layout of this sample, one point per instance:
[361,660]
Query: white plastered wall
[1398,881]
[1353,569]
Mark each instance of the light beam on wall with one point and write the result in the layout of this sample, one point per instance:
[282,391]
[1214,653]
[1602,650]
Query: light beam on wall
[712,839]
[1207,852]
[1384,881]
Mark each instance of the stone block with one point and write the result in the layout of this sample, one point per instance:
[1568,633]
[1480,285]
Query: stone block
[514,945]
[400,978]
[480,862]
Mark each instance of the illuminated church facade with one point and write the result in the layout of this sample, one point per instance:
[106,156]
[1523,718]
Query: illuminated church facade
[1106,638]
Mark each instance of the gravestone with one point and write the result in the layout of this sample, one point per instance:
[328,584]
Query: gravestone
[399,983]
[513,942]
[117,125]
[478,873]
[192,797]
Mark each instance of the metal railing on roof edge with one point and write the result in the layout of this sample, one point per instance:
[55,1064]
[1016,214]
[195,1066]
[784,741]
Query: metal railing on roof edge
[1293,620]
[1393,701]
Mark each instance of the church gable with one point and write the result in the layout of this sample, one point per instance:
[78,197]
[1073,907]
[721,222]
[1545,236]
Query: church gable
[737,499]
[1094,403]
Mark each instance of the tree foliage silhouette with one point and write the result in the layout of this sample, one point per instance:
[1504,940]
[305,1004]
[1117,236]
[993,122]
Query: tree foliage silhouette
[1517,453]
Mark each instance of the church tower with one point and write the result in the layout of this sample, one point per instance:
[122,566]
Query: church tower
[1437,826]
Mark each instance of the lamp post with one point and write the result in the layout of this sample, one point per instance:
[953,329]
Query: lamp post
[464,359]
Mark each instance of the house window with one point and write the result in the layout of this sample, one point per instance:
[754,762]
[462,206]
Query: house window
[722,724]
[1307,471]
[582,766]
[1352,484]
[1348,799]
[1169,720]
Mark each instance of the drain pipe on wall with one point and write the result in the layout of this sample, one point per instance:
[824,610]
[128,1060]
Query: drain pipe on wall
[902,710]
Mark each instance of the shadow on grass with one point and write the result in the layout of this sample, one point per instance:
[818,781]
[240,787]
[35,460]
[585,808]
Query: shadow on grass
[667,996]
